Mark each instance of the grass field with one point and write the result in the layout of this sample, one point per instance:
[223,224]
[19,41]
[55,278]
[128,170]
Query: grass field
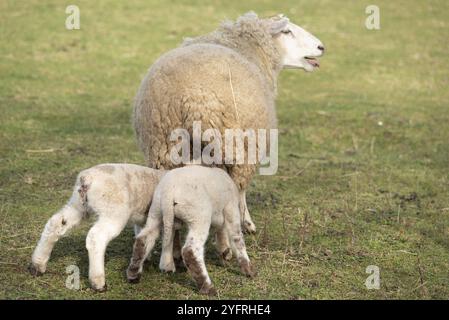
[364,153]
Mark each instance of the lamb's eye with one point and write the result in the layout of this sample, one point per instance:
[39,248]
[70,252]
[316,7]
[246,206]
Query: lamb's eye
[286,32]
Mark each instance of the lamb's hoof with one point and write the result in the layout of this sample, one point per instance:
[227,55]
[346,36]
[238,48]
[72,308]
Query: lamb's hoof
[208,290]
[248,270]
[249,227]
[100,289]
[34,270]
[226,255]
[134,280]
[169,268]
[133,277]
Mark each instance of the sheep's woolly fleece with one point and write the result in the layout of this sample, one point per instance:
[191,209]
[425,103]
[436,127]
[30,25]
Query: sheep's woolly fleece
[225,79]
[250,37]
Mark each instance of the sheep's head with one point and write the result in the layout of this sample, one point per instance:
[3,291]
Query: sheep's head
[298,48]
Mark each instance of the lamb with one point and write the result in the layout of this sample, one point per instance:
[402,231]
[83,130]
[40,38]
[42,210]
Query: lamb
[115,193]
[200,197]
[225,79]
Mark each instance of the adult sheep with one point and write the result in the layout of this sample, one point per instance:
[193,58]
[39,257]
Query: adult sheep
[226,79]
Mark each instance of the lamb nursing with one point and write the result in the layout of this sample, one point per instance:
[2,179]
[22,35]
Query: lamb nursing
[226,79]
[200,197]
[117,195]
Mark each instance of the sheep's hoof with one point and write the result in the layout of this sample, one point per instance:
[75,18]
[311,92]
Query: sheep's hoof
[226,255]
[34,270]
[208,290]
[249,227]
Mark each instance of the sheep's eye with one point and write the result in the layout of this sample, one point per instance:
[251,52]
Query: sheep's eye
[286,31]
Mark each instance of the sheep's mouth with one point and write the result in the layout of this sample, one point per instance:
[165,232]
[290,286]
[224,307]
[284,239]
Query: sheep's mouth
[313,61]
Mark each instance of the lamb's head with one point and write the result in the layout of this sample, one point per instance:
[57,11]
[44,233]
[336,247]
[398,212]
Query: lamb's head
[298,48]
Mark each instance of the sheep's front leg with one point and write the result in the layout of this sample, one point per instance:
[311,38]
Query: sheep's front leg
[248,224]
[58,225]
[193,255]
[97,240]
[241,175]
[142,247]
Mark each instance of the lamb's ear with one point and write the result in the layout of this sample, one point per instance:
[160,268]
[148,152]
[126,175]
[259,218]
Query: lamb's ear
[278,24]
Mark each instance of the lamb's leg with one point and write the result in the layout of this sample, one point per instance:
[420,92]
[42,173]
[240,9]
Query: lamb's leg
[234,230]
[61,222]
[171,249]
[193,255]
[142,246]
[177,255]
[97,240]
[167,262]
[222,245]
[137,228]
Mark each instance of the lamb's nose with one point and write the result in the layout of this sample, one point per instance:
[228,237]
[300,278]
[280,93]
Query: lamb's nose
[321,48]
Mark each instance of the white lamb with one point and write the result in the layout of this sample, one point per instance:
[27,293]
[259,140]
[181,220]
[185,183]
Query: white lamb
[117,194]
[200,197]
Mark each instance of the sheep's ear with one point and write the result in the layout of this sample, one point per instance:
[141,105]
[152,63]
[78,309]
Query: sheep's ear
[278,24]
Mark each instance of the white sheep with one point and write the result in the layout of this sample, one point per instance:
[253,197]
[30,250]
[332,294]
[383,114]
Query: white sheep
[200,197]
[116,194]
[226,79]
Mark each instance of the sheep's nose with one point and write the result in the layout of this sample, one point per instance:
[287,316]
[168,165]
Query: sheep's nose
[321,48]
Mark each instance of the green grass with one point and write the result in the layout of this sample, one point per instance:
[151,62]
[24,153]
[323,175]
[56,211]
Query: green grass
[364,153]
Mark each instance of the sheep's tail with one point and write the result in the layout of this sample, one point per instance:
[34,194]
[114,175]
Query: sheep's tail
[168,219]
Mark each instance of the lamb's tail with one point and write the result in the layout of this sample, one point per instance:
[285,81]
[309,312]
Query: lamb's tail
[168,219]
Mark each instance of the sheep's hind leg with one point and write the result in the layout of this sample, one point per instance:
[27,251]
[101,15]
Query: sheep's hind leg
[97,240]
[142,247]
[193,255]
[58,225]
